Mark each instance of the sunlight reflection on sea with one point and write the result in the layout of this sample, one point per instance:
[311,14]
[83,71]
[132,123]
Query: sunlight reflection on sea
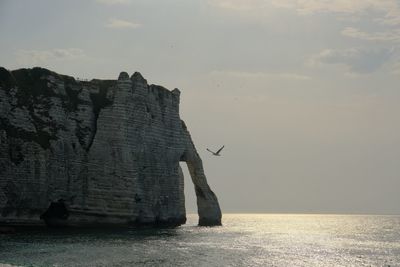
[244,240]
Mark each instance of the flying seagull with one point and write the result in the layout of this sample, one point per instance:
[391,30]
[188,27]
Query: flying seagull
[216,153]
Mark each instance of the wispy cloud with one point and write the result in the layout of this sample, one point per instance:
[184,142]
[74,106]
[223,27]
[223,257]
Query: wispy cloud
[356,60]
[239,5]
[385,36]
[389,10]
[42,56]
[122,24]
[263,75]
[114,2]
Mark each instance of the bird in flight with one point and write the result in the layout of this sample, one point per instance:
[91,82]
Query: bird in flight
[216,153]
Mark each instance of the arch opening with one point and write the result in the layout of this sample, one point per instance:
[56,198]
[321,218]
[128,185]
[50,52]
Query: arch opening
[189,191]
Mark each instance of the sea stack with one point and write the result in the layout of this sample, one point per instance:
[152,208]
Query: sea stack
[95,153]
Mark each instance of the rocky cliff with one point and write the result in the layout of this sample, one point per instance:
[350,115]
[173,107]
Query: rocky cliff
[95,153]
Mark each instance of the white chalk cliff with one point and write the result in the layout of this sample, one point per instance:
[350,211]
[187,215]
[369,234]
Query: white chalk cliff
[95,153]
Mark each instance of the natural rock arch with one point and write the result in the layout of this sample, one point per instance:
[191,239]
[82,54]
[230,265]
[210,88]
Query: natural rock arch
[207,203]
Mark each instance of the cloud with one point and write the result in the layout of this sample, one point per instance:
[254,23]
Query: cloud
[239,5]
[386,36]
[114,2]
[42,56]
[122,24]
[263,75]
[357,60]
[389,10]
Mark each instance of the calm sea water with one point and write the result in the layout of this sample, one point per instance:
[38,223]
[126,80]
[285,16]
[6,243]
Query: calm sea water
[244,240]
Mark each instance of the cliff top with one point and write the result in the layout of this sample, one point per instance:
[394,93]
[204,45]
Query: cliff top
[31,77]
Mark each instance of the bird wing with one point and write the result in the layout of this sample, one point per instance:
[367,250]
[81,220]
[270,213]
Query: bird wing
[219,150]
[210,151]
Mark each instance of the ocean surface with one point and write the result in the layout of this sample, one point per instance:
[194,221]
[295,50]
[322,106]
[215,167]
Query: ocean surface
[243,240]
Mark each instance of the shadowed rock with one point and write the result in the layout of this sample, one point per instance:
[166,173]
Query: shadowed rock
[95,153]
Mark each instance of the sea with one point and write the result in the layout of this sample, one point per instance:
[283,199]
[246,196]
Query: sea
[243,240]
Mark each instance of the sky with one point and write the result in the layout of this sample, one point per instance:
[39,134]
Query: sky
[304,94]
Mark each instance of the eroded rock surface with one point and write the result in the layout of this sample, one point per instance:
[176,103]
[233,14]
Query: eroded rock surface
[98,153]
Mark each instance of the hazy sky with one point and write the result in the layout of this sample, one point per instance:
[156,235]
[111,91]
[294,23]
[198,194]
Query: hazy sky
[304,93]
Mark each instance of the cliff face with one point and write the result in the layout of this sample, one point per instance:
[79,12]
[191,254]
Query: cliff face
[98,153]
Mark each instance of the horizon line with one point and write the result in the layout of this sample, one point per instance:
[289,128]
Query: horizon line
[304,213]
